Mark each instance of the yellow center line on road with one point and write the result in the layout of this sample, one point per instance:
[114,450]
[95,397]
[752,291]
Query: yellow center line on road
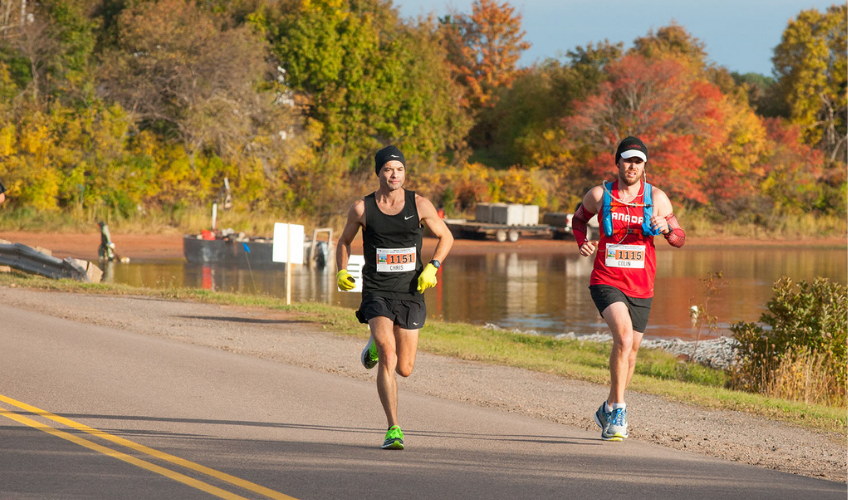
[176,476]
[140,448]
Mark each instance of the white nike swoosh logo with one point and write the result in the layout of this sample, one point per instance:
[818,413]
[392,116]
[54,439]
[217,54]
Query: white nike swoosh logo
[394,156]
[407,218]
[415,324]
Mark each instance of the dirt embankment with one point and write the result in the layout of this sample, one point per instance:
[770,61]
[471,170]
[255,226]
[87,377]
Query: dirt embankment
[157,246]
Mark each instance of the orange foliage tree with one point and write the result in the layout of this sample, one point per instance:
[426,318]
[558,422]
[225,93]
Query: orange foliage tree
[483,49]
[663,102]
[796,175]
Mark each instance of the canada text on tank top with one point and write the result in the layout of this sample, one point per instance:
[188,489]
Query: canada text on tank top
[392,248]
[627,259]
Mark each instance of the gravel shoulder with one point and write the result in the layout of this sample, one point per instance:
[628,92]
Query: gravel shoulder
[281,337]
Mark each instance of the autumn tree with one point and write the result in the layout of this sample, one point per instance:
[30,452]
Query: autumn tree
[810,66]
[663,102]
[526,117]
[671,41]
[483,49]
[794,173]
[181,74]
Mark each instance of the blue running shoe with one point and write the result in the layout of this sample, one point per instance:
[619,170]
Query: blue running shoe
[617,428]
[602,418]
[613,424]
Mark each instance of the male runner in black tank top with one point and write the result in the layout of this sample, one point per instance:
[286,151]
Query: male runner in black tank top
[394,277]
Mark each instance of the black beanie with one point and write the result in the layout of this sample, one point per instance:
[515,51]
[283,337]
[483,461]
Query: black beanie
[385,155]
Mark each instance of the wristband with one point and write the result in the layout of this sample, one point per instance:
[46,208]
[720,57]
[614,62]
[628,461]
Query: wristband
[579,222]
[675,236]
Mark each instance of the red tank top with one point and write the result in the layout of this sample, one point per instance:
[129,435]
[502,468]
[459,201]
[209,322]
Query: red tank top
[627,259]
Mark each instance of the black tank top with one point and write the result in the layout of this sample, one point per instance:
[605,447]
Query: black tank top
[392,247]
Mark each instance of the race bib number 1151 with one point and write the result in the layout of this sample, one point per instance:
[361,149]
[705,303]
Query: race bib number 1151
[395,260]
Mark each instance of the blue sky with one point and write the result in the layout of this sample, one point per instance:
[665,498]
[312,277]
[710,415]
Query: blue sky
[739,35]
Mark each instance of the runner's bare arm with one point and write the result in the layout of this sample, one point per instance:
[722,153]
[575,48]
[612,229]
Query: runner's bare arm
[665,221]
[355,220]
[429,217]
[591,205]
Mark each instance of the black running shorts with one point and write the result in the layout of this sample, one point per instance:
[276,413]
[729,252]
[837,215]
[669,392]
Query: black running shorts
[407,314]
[604,295]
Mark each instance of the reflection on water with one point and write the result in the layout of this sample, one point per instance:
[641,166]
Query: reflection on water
[542,292]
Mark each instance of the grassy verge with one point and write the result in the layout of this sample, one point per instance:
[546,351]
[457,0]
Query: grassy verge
[658,372]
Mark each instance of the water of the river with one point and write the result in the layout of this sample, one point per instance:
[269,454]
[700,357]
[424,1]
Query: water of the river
[541,292]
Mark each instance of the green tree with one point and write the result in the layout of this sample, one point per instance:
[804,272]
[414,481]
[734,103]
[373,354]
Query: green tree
[178,72]
[811,70]
[73,67]
[524,120]
[526,117]
[51,54]
[370,78]
[762,94]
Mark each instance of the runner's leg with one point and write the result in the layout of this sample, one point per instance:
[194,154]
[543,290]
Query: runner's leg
[407,348]
[617,317]
[634,350]
[382,329]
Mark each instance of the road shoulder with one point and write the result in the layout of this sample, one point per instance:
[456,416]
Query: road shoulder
[282,337]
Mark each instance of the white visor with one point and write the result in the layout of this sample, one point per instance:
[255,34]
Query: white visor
[630,153]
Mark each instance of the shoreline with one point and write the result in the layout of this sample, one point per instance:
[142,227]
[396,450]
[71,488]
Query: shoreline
[170,246]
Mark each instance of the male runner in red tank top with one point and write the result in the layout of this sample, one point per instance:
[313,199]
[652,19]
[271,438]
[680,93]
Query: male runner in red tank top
[622,280]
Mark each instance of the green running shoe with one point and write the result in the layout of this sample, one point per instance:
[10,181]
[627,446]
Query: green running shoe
[394,439]
[369,356]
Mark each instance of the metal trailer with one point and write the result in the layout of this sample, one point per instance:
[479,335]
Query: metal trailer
[560,224]
[474,230]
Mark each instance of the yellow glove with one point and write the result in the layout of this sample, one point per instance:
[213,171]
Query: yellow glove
[427,278]
[345,280]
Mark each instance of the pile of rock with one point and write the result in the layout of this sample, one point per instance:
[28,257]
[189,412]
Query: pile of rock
[716,353]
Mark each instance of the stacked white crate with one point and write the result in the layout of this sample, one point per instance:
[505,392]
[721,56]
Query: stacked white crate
[530,215]
[508,214]
[483,212]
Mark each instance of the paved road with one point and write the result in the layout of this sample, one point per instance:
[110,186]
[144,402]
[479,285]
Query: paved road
[96,412]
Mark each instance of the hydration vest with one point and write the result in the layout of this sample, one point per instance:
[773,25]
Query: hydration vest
[647,211]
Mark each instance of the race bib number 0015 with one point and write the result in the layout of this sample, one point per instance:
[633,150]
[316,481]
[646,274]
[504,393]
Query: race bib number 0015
[395,260]
[631,256]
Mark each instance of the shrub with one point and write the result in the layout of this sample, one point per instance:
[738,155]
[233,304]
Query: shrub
[802,348]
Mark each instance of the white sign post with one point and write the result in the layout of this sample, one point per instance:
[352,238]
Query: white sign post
[288,248]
